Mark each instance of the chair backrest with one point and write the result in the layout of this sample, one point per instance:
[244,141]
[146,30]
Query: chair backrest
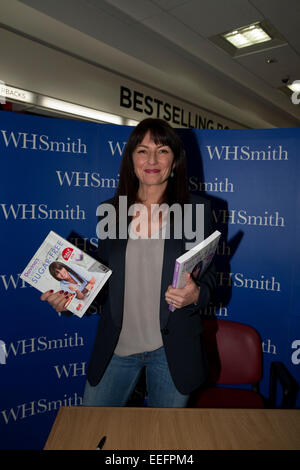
[234,352]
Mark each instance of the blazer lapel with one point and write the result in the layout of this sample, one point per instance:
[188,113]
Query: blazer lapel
[172,250]
[117,281]
[117,258]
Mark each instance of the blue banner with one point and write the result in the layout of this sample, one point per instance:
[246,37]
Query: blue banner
[54,175]
[251,177]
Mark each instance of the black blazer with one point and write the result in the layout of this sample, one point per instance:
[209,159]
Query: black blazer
[181,329]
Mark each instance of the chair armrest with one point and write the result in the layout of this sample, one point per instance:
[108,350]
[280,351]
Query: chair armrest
[279,373]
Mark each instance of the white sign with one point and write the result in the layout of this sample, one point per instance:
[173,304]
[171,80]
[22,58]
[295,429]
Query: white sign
[11,93]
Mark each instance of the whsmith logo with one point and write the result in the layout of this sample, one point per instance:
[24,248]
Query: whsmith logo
[42,343]
[86,179]
[236,152]
[43,405]
[26,141]
[41,211]
[241,217]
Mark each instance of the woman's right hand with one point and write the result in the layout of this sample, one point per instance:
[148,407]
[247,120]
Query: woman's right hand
[57,300]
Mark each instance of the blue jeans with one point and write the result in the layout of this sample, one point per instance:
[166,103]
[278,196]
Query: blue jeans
[121,377]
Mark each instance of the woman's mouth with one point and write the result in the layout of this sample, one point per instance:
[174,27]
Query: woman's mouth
[154,170]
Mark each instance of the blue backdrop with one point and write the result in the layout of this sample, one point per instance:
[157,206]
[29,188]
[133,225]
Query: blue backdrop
[54,175]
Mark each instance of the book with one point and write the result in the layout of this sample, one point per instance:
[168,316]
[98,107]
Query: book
[59,265]
[195,261]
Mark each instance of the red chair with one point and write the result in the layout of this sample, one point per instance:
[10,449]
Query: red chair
[234,353]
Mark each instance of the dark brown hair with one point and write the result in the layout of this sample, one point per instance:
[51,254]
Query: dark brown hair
[162,133]
[57,266]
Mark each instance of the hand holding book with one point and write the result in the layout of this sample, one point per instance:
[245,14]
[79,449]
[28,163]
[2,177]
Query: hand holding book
[57,300]
[74,277]
[180,297]
[193,263]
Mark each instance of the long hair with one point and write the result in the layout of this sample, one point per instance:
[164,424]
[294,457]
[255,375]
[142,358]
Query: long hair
[161,133]
[57,266]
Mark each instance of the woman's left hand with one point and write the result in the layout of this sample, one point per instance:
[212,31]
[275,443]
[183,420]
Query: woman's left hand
[181,297]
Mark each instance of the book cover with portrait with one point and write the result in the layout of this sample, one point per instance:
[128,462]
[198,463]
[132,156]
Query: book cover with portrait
[59,265]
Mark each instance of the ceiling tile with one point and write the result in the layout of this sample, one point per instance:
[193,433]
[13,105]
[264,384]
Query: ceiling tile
[169,4]
[284,16]
[172,29]
[214,17]
[287,63]
[137,9]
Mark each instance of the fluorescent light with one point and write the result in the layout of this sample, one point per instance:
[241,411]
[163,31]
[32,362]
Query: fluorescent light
[295,86]
[75,109]
[237,40]
[131,122]
[247,36]
[17,94]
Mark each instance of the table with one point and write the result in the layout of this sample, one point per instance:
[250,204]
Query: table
[129,428]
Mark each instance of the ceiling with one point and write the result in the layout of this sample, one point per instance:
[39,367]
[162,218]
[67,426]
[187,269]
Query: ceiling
[165,44]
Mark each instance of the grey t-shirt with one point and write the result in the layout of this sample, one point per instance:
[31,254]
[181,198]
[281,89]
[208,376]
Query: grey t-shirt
[141,324]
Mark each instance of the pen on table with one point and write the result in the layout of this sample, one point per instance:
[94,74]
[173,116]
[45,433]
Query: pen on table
[101,443]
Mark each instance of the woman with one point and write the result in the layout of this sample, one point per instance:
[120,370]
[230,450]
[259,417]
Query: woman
[137,328]
[73,279]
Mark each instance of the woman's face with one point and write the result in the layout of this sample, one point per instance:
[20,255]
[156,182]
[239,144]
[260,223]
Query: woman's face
[62,273]
[152,162]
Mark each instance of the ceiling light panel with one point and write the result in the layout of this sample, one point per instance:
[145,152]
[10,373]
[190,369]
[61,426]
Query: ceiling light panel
[249,39]
[247,36]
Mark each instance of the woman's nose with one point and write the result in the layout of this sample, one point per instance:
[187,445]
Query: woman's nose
[152,157]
